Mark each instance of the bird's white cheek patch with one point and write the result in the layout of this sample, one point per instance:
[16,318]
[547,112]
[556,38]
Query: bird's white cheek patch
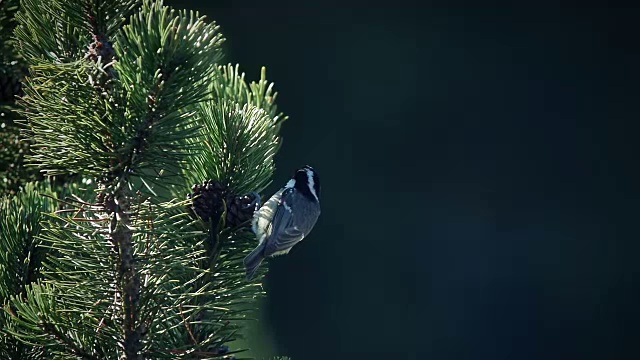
[312,184]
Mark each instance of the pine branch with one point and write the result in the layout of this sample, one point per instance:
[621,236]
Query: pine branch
[82,279]
[22,255]
[235,148]
[231,85]
[59,31]
[240,134]
[129,278]
[160,72]
[49,326]
[79,352]
[19,226]
[45,33]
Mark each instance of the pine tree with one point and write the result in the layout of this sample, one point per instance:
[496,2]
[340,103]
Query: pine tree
[138,253]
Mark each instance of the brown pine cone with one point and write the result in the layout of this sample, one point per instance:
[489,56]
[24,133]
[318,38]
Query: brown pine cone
[211,198]
[100,47]
[209,205]
[240,209]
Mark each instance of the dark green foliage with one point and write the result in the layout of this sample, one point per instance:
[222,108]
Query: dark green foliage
[12,148]
[21,256]
[20,224]
[10,83]
[8,57]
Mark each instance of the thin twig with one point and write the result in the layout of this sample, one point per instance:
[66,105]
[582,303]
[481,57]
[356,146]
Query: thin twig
[90,220]
[63,211]
[80,352]
[188,326]
[67,202]
[79,201]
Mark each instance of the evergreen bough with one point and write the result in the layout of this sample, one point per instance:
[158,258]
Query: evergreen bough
[126,101]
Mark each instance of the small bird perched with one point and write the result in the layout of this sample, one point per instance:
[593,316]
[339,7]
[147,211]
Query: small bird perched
[286,218]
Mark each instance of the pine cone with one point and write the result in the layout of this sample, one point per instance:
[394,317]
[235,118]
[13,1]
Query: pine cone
[239,209]
[209,205]
[100,47]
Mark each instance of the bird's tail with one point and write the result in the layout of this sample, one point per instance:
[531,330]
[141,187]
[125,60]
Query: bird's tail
[253,260]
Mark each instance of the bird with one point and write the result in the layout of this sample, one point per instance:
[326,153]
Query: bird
[285,219]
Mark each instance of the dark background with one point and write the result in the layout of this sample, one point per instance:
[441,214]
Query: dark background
[479,177]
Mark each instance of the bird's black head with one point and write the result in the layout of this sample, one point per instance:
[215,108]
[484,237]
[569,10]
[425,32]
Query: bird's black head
[308,182]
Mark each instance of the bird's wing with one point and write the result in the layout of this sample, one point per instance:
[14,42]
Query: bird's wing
[284,234]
